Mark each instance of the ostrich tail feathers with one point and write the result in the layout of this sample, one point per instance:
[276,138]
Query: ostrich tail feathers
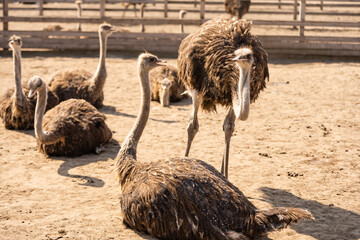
[278,218]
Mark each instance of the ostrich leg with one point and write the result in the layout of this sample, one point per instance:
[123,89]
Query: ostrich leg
[228,127]
[193,126]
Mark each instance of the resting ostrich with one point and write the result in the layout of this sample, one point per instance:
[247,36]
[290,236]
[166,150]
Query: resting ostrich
[185,198]
[16,111]
[165,86]
[232,8]
[207,68]
[81,84]
[72,128]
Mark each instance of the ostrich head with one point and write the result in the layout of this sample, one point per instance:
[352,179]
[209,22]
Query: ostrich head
[106,29]
[165,92]
[35,83]
[147,61]
[244,59]
[15,42]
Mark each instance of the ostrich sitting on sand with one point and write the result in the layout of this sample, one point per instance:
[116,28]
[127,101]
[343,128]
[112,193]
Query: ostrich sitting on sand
[222,63]
[16,111]
[81,84]
[237,11]
[165,86]
[72,128]
[185,198]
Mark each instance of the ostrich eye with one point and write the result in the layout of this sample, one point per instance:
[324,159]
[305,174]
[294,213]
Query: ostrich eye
[152,59]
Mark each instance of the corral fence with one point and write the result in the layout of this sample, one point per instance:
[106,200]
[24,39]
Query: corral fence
[295,27]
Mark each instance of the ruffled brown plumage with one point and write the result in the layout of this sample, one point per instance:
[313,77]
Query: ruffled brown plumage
[205,61]
[184,198]
[75,83]
[78,125]
[15,118]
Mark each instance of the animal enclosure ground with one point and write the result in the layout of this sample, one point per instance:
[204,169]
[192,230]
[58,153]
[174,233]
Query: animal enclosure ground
[300,147]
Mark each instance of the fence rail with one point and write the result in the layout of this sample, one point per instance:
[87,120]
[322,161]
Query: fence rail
[300,43]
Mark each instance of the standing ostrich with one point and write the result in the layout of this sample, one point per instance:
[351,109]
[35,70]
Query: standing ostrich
[185,198]
[16,111]
[72,128]
[165,86]
[231,7]
[81,84]
[222,63]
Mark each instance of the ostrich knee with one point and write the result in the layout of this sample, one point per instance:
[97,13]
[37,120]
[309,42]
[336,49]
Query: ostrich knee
[192,129]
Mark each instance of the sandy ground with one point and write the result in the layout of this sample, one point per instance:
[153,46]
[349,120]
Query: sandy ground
[300,147]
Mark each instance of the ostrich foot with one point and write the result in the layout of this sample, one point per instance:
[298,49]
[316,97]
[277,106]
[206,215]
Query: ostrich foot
[99,149]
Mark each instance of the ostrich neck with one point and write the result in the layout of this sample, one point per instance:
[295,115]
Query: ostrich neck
[99,77]
[130,144]
[241,102]
[19,95]
[165,97]
[42,136]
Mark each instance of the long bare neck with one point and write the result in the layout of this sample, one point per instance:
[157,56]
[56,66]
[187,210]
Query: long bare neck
[99,77]
[129,146]
[244,92]
[19,95]
[165,97]
[41,135]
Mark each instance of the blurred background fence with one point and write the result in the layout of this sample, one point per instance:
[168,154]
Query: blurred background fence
[286,27]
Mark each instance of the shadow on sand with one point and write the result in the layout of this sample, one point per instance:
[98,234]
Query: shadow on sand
[111,150]
[331,222]
[112,110]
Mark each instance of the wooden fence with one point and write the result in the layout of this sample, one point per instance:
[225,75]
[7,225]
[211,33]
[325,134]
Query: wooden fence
[311,37]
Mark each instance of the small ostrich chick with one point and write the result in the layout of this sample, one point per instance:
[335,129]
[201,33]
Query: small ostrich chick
[165,92]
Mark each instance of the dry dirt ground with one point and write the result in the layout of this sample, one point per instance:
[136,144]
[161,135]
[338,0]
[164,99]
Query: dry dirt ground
[300,147]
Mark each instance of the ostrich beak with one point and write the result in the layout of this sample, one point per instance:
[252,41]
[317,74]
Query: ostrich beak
[32,93]
[160,62]
[239,58]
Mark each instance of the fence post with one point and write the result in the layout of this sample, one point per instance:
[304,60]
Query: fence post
[142,10]
[302,19]
[165,8]
[102,8]
[41,7]
[202,9]
[279,6]
[321,4]
[295,11]
[5,22]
